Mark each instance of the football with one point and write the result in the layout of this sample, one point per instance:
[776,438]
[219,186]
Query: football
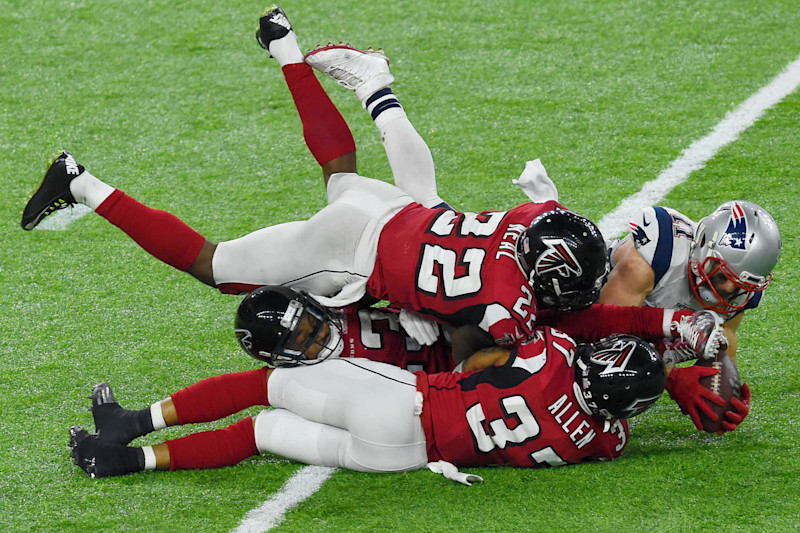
[725,383]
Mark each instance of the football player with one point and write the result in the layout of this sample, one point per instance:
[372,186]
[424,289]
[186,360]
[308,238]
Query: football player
[548,402]
[493,270]
[722,264]
[280,326]
[284,328]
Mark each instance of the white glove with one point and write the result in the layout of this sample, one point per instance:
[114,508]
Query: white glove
[703,333]
[535,183]
[419,328]
[449,471]
[676,350]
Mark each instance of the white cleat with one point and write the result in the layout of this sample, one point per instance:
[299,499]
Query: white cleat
[357,70]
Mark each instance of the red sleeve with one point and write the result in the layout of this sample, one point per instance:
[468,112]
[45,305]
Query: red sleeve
[602,320]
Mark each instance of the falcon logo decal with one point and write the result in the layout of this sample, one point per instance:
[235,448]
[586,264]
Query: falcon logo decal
[736,234]
[615,358]
[640,404]
[559,258]
[640,238]
[245,338]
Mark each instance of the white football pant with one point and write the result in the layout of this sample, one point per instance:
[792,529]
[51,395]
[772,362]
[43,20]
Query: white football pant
[332,251]
[352,413]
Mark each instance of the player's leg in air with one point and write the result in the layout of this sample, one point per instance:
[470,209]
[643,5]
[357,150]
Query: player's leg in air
[239,268]
[333,249]
[326,132]
[324,129]
[160,233]
[361,416]
[367,73]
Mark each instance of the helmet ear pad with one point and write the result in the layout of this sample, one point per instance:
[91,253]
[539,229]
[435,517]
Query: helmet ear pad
[621,376]
[268,327]
[565,259]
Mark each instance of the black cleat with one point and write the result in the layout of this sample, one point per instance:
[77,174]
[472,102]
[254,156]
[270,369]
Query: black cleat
[272,25]
[113,424]
[100,459]
[53,193]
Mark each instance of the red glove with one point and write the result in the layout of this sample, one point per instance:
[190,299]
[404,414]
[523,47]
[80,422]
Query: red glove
[683,385]
[742,409]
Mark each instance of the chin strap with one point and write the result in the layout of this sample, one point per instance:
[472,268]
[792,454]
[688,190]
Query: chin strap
[449,471]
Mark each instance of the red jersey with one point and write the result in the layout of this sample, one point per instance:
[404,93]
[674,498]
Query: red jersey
[525,413]
[376,334]
[459,268]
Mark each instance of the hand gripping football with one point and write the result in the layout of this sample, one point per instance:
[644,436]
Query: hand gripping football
[725,383]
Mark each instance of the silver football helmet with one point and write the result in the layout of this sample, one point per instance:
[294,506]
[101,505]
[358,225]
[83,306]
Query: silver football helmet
[739,243]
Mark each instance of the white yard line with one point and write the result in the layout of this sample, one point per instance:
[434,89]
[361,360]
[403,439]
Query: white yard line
[700,152]
[59,220]
[298,488]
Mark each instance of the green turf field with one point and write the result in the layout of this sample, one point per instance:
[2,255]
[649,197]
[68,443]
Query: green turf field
[173,102]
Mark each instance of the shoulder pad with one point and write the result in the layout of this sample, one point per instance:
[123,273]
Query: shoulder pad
[645,231]
[653,232]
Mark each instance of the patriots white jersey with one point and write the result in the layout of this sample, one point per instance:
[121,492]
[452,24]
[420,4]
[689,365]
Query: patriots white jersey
[663,237]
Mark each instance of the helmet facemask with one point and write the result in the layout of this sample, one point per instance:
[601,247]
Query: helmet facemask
[733,252]
[311,334]
[705,277]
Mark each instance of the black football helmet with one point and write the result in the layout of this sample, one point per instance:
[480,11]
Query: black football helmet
[282,327]
[621,376]
[565,259]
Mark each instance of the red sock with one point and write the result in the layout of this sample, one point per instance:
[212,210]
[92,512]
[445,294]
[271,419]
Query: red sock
[213,449]
[161,234]
[324,129]
[220,396]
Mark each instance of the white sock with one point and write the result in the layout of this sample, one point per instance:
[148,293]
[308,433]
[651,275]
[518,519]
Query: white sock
[383,103]
[149,458]
[89,190]
[286,50]
[157,416]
